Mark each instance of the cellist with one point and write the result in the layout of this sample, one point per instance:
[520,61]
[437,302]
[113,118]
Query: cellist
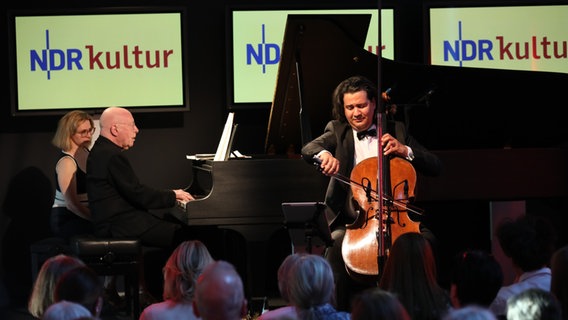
[347,140]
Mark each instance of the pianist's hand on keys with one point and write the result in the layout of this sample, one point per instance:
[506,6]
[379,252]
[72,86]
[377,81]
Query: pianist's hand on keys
[183,196]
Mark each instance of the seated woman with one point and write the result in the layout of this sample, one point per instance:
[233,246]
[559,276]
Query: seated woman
[284,277]
[70,214]
[43,292]
[311,289]
[181,271]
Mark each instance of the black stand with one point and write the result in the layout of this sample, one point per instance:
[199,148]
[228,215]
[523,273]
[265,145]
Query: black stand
[307,225]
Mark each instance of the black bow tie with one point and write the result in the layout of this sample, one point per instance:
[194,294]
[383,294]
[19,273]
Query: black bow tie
[363,134]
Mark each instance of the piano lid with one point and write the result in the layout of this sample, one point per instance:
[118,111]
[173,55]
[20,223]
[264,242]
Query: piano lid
[447,107]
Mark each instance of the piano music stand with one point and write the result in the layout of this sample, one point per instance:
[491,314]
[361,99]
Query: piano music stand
[307,225]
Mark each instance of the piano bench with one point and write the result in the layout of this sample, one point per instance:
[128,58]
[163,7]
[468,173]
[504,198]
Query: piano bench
[114,257]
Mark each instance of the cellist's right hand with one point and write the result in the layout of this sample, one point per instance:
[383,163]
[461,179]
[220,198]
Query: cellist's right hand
[329,164]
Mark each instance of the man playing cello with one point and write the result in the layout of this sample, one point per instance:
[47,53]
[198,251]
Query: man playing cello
[347,140]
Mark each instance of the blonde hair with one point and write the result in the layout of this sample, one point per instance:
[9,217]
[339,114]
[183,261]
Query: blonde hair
[284,275]
[312,284]
[67,126]
[43,292]
[182,269]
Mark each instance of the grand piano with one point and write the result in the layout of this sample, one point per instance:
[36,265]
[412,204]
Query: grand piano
[496,144]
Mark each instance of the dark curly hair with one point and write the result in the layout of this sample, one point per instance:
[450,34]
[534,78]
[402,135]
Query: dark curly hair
[351,85]
[528,240]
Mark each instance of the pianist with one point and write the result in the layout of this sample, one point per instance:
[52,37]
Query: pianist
[340,148]
[119,203]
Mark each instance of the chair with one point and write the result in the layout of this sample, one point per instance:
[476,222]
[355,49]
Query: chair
[118,257]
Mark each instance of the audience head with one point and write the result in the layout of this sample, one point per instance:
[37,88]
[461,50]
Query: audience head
[476,278]
[117,125]
[219,293]
[470,312]
[312,283]
[73,123]
[376,303]
[183,267]
[411,255]
[284,275]
[66,310]
[533,304]
[43,292]
[559,280]
[81,285]
[529,241]
[410,273]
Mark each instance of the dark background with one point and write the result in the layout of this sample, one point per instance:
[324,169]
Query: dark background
[472,117]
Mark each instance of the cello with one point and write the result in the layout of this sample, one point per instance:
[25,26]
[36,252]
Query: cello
[381,194]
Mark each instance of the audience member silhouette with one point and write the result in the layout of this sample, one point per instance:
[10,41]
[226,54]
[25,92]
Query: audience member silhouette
[376,303]
[529,242]
[219,293]
[43,292]
[559,279]
[410,273]
[533,304]
[476,278]
[470,312]
[311,289]
[181,271]
[284,277]
[81,285]
[66,310]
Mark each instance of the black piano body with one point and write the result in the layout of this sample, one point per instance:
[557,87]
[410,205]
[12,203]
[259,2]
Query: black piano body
[488,141]
[245,196]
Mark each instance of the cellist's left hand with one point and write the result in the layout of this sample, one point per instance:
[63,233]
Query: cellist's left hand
[391,146]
